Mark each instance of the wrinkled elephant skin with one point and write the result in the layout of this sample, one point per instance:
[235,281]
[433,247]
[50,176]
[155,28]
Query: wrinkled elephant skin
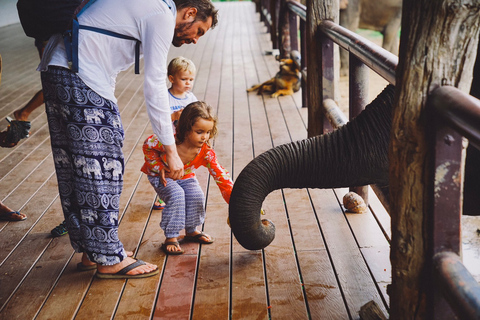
[319,162]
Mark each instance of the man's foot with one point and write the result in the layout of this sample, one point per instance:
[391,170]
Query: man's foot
[171,246]
[59,230]
[146,269]
[199,237]
[86,264]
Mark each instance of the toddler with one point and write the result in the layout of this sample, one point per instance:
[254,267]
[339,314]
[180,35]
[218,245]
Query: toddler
[181,74]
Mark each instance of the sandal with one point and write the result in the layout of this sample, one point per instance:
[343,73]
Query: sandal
[122,274]
[17,130]
[172,243]
[159,205]
[12,216]
[59,230]
[198,238]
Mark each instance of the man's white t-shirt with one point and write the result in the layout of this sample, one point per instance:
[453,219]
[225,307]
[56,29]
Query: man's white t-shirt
[102,57]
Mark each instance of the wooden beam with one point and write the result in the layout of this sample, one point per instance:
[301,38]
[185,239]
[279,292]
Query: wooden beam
[437,47]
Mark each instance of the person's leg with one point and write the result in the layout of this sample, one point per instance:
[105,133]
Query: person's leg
[23,113]
[195,211]
[173,216]
[89,192]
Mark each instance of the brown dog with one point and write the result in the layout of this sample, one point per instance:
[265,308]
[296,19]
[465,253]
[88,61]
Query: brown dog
[286,81]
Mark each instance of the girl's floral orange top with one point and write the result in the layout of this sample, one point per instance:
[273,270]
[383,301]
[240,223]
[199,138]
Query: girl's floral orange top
[155,160]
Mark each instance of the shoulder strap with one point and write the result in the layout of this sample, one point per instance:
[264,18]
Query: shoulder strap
[70,37]
[121,36]
[82,7]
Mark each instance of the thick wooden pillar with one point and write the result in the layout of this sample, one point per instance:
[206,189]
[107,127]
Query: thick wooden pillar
[437,47]
[320,65]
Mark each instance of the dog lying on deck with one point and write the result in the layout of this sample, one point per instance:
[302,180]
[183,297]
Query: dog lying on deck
[286,81]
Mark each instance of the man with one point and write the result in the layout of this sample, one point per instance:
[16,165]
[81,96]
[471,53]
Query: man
[85,126]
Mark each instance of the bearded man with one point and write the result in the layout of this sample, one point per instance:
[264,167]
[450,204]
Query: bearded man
[84,120]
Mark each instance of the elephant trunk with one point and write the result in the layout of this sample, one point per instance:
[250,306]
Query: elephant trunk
[354,155]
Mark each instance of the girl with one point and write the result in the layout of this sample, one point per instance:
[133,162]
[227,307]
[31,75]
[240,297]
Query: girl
[184,198]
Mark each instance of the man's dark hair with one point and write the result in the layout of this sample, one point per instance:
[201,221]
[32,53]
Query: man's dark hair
[205,9]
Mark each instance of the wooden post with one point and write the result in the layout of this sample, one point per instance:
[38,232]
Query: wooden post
[303,50]
[319,51]
[358,82]
[274,11]
[437,47]
[284,30]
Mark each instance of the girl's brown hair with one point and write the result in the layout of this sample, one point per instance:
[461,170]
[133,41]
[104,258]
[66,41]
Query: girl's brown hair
[189,116]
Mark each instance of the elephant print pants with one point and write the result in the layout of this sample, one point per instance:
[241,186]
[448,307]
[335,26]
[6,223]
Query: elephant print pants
[87,138]
[184,205]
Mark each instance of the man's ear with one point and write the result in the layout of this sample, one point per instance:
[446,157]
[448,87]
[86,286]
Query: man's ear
[170,78]
[190,14]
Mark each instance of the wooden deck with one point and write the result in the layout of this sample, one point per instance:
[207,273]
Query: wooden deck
[323,264]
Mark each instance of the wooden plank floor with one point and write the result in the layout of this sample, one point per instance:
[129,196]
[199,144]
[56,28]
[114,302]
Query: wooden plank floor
[323,264]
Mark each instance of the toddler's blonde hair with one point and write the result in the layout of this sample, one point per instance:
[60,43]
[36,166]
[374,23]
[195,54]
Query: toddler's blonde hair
[181,64]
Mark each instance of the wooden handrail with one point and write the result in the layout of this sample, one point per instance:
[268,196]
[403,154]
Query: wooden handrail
[375,57]
[460,110]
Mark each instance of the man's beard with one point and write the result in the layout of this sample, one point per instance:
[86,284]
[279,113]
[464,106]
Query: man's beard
[179,33]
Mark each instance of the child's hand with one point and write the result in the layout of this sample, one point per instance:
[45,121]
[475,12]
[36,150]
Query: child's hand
[175,164]
[152,172]
[162,177]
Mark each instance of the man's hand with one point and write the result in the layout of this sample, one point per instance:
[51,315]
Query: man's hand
[175,164]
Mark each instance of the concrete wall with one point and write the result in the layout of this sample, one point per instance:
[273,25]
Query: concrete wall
[8,12]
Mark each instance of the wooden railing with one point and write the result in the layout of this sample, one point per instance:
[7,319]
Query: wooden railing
[455,114]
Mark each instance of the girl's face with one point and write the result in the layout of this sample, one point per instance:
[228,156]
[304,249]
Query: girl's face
[200,133]
[182,81]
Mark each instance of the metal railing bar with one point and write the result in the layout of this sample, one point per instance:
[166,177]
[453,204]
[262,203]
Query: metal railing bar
[458,286]
[298,8]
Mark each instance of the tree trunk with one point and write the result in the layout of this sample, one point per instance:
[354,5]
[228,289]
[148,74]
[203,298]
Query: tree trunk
[437,47]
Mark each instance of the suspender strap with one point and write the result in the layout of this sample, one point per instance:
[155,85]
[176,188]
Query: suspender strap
[71,44]
[116,35]
[70,38]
